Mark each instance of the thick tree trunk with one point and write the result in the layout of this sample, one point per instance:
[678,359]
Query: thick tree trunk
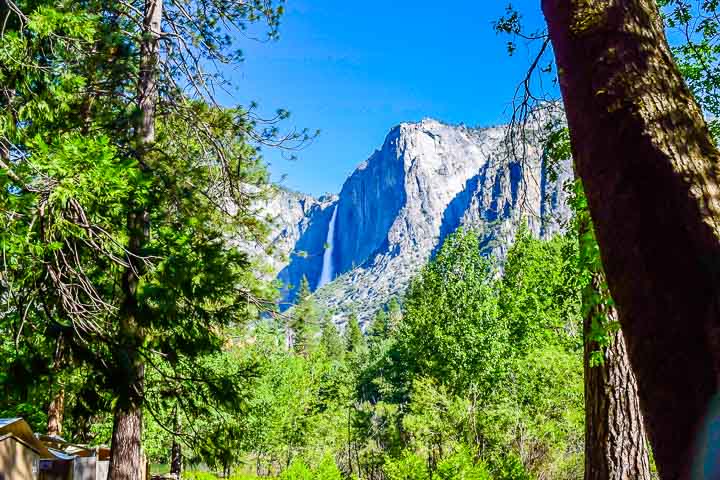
[650,172]
[127,460]
[56,411]
[615,445]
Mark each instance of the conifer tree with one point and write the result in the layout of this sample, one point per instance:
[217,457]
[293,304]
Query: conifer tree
[304,320]
[394,312]
[648,163]
[354,338]
[120,170]
[379,327]
[331,341]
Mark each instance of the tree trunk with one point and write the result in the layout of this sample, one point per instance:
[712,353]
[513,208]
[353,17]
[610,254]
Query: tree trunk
[56,411]
[176,451]
[615,445]
[126,460]
[650,172]
[176,459]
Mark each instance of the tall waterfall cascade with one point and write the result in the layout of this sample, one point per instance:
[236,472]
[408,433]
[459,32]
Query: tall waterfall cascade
[327,273]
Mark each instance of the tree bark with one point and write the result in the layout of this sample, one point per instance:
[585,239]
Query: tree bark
[176,462]
[56,409]
[56,412]
[650,172]
[615,445]
[126,458]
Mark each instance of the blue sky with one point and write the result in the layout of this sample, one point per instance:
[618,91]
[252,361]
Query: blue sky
[355,69]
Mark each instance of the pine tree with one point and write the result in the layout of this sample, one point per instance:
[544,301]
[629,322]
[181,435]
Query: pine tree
[649,167]
[354,338]
[379,327]
[331,341]
[304,320]
[121,169]
[394,313]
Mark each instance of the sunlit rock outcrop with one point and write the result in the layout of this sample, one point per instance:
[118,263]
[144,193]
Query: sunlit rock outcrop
[395,209]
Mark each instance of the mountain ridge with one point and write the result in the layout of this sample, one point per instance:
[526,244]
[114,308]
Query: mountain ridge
[394,210]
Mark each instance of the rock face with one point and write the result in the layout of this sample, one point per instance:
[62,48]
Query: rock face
[396,208]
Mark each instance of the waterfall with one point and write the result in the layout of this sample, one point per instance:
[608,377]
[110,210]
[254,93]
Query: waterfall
[327,274]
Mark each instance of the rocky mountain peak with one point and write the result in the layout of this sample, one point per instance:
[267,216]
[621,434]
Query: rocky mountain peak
[395,209]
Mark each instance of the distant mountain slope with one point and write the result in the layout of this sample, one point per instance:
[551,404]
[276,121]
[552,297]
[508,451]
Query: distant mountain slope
[395,209]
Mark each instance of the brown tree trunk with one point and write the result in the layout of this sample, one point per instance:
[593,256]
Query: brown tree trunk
[615,445]
[56,411]
[126,458]
[650,172]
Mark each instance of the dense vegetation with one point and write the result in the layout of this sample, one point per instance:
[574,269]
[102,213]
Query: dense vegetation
[128,313]
[477,373]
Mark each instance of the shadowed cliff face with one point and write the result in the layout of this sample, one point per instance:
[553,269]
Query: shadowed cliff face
[370,201]
[397,207]
[306,257]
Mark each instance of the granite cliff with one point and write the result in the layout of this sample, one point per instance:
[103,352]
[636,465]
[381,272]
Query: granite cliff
[395,209]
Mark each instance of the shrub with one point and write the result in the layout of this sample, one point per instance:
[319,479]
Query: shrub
[460,466]
[408,467]
[297,471]
[327,470]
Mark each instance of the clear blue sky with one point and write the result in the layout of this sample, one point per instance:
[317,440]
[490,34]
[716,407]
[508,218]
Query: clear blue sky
[356,69]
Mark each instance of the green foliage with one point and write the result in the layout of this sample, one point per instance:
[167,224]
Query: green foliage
[539,294]
[198,475]
[451,329]
[354,338]
[407,467]
[297,471]
[331,342]
[692,28]
[511,468]
[387,408]
[73,178]
[327,470]
[304,320]
[461,466]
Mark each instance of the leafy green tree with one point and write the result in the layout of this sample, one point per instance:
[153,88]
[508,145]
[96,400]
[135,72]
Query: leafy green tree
[327,470]
[394,312]
[461,465]
[451,330]
[540,292]
[379,327]
[407,467]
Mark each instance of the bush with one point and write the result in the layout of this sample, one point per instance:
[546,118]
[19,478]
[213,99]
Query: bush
[408,467]
[327,470]
[510,467]
[460,466]
[297,471]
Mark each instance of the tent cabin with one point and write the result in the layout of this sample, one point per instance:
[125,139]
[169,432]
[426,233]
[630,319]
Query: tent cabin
[18,459]
[27,456]
[88,463]
[22,448]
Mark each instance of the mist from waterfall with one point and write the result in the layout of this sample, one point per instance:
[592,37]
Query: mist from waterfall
[327,274]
